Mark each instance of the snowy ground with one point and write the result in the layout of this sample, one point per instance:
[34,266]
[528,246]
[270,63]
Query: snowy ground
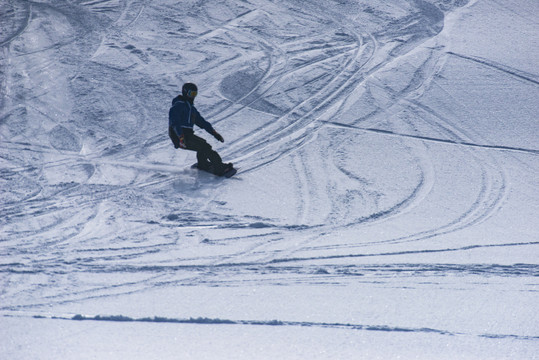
[385,207]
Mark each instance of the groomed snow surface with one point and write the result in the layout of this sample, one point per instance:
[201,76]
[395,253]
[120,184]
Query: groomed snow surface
[386,204]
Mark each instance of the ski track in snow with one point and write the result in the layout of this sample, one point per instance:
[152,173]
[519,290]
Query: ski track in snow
[208,321]
[91,186]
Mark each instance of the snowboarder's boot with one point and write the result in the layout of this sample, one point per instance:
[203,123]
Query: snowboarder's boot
[228,170]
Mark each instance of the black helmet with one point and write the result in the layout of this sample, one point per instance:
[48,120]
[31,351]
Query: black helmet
[189,90]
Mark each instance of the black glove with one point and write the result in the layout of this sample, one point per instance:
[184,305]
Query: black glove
[218,136]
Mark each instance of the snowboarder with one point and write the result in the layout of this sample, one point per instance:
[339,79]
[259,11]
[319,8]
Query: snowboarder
[181,119]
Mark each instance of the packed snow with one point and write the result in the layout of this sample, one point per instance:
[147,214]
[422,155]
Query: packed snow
[385,205]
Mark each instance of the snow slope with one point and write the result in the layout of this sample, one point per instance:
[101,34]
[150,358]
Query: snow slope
[385,207]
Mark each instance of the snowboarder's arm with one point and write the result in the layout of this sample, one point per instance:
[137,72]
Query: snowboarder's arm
[177,128]
[201,122]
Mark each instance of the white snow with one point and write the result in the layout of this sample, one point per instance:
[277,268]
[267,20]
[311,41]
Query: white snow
[386,201]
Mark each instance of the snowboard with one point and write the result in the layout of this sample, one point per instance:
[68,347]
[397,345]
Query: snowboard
[229,173]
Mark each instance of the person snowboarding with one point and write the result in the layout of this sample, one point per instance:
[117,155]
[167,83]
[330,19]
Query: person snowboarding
[182,117]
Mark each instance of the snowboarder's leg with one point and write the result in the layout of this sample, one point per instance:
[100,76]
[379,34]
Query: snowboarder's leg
[208,159]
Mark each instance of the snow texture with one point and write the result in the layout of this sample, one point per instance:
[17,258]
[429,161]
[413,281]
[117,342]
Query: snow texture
[386,204]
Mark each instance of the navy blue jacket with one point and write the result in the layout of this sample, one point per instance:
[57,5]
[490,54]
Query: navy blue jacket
[183,115]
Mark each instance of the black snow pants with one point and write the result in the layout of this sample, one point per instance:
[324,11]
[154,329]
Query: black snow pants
[208,159]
